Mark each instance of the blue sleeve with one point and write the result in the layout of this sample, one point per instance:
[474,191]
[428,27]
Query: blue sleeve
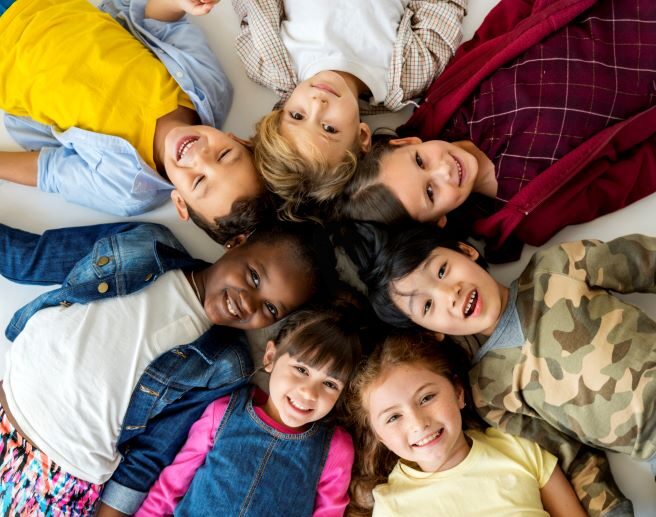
[47,259]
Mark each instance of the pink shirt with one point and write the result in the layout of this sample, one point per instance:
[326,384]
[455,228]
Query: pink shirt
[332,491]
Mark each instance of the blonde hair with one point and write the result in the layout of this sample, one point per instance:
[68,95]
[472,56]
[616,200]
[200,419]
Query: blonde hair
[298,178]
[374,461]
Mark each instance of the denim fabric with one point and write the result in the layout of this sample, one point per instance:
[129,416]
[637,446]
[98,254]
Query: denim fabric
[255,470]
[177,386]
[105,172]
[4,5]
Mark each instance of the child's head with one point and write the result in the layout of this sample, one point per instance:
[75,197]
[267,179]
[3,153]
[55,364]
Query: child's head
[416,274]
[310,362]
[265,276]
[406,178]
[308,150]
[405,402]
[216,183]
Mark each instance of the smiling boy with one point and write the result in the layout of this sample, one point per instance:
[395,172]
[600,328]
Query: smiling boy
[148,94]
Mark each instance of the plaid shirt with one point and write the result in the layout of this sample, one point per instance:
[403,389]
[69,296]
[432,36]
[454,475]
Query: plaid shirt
[598,70]
[428,35]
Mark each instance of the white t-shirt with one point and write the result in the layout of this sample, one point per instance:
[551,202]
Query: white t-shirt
[71,372]
[350,36]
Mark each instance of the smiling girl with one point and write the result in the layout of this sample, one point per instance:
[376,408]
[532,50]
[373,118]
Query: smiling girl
[408,402]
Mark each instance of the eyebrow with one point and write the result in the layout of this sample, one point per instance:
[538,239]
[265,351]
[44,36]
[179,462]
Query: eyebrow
[413,293]
[422,387]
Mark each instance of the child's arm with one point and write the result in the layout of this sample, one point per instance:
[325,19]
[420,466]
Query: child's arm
[175,479]
[558,497]
[332,491]
[173,10]
[428,36]
[19,167]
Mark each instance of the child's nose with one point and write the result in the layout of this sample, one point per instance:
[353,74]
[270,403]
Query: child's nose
[248,302]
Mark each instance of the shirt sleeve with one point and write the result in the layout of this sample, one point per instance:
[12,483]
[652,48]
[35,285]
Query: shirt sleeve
[260,46]
[175,479]
[428,36]
[332,492]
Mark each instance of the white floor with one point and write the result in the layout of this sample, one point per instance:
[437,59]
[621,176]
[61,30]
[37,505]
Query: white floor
[34,211]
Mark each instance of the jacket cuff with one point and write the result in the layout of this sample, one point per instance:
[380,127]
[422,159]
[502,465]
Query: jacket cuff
[122,498]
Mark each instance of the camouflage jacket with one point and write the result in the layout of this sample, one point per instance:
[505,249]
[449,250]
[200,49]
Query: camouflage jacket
[570,362]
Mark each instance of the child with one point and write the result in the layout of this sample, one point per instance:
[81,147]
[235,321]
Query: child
[555,348]
[556,129]
[109,125]
[297,461]
[406,405]
[124,384]
[322,58]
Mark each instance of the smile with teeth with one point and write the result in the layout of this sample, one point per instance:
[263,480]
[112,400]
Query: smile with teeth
[186,144]
[459,170]
[298,405]
[232,307]
[471,303]
[428,439]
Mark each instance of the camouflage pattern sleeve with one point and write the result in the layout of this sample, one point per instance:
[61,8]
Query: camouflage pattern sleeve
[624,265]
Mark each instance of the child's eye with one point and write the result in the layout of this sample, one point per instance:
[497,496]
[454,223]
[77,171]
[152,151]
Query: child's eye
[301,369]
[223,154]
[296,115]
[272,309]
[427,398]
[429,192]
[255,277]
[441,272]
[392,419]
[332,385]
[419,161]
[427,306]
[197,181]
[328,128]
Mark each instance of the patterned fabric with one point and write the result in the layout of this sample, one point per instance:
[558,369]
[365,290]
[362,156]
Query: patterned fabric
[427,38]
[586,371]
[31,484]
[596,71]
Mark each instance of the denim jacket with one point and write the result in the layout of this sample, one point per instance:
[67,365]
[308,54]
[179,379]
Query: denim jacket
[177,386]
[105,172]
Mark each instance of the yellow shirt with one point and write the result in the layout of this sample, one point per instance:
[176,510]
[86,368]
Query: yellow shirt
[502,476]
[65,63]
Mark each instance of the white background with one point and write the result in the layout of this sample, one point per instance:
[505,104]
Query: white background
[31,210]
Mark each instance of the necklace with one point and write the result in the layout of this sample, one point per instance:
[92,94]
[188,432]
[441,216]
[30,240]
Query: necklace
[193,282]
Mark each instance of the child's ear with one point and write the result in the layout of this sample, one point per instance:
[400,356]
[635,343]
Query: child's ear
[441,222]
[468,250]
[236,241]
[246,143]
[180,205]
[408,140]
[365,137]
[269,355]
[460,393]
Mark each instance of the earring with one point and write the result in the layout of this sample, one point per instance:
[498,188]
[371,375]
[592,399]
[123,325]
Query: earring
[228,245]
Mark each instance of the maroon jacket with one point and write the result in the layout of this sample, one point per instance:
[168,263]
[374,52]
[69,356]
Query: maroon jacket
[611,169]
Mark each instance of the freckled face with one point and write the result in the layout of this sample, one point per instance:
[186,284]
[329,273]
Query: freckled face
[254,285]
[450,293]
[431,178]
[324,112]
[415,413]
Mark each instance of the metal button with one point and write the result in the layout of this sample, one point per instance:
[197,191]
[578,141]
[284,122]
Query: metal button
[148,277]
[103,287]
[179,74]
[64,303]
[102,261]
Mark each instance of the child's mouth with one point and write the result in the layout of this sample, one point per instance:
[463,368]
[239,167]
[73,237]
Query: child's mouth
[298,406]
[430,439]
[470,304]
[185,144]
[459,169]
[232,307]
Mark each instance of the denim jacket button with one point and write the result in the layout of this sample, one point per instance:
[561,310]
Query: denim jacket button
[102,261]
[64,303]
[148,277]
[103,287]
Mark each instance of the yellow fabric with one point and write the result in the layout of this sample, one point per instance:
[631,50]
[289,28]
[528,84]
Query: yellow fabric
[67,64]
[501,476]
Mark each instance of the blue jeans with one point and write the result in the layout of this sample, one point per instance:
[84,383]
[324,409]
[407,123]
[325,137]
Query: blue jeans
[29,258]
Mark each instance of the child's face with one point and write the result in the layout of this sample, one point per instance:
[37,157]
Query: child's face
[254,285]
[415,413]
[450,293]
[210,170]
[430,178]
[322,111]
[298,393]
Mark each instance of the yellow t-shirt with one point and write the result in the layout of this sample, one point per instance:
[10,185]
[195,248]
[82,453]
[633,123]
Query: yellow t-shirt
[67,64]
[502,476]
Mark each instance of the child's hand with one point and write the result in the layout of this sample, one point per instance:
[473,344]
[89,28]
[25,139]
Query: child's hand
[197,7]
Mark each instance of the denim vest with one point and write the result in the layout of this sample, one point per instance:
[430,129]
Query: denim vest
[176,387]
[255,470]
